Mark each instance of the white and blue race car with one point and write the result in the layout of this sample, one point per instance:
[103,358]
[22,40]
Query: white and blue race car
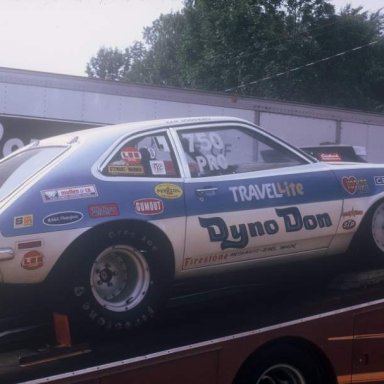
[110,217]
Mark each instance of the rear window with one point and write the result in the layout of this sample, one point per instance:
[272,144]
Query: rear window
[15,169]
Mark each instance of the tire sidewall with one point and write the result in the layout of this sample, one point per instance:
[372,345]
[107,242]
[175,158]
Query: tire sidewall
[85,305]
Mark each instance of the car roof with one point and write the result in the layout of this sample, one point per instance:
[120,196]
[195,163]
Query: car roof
[113,132]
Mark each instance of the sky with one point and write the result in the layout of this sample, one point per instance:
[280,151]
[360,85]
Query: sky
[61,36]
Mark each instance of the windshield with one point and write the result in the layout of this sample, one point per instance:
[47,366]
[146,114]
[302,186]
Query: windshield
[14,170]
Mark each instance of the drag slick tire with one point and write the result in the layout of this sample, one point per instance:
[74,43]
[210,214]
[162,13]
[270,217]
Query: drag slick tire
[118,278]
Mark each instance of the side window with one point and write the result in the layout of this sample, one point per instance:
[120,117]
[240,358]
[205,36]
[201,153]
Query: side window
[222,151]
[146,156]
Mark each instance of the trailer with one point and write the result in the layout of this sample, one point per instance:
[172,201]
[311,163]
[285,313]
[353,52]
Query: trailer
[307,334]
[311,334]
[35,105]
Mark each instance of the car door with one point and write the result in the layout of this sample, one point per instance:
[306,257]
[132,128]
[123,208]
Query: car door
[249,196]
[141,177]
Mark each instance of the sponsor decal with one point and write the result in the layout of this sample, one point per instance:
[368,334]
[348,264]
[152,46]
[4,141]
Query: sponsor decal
[379,180]
[131,155]
[349,224]
[330,157]
[29,244]
[148,206]
[237,236]
[157,167]
[191,262]
[353,185]
[152,152]
[352,213]
[118,169]
[168,191]
[32,260]
[222,257]
[276,190]
[103,210]
[69,193]
[22,221]
[63,218]
[135,170]
[125,170]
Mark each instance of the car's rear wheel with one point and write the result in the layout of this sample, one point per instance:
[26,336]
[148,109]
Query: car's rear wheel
[118,278]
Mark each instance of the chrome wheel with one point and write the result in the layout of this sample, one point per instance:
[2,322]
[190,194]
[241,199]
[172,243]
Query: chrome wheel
[378,226]
[119,278]
[281,374]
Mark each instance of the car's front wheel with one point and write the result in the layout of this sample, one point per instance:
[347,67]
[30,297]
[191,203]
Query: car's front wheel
[368,243]
[118,278]
[377,227]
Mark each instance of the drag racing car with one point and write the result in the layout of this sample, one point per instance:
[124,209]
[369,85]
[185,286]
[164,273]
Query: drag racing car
[110,217]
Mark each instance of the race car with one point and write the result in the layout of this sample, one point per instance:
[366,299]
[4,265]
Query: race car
[110,217]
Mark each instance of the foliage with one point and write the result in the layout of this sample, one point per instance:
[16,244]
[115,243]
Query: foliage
[298,50]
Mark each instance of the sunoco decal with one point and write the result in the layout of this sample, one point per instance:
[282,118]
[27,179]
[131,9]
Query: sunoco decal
[103,210]
[69,193]
[168,191]
[148,206]
[237,236]
[63,218]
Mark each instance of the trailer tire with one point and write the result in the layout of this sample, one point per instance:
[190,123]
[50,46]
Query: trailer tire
[282,364]
[118,278]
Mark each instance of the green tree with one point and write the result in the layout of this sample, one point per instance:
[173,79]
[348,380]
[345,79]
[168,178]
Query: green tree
[349,59]
[109,64]
[298,50]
